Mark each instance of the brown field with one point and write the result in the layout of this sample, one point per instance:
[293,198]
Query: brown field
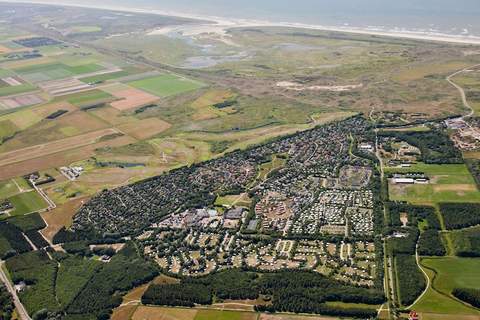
[40,132]
[123,312]
[55,160]
[132,299]
[144,129]
[20,101]
[132,98]
[111,115]
[53,147]
[471,155]
[161,313]
[455,187]
[292,317]
[60,217]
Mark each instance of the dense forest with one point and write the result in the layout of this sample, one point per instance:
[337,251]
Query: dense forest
[79,287]
[460,215]
[292,291]
[435,145]
[13,242]
[411,280]
[6,303]
[471,296]
[415,214]
[430,244]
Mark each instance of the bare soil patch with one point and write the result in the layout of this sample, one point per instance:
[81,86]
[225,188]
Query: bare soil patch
[132,98]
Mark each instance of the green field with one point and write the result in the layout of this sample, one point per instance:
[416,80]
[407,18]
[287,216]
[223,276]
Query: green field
[85,29]
[10,90]
[448,273]
[87,97]
[55,71]
[27,202]
[7,129]
[105,77]
[8,189]
[166,85]
[448,183]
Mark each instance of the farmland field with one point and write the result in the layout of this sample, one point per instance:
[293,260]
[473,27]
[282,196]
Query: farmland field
[26,203]
[166,85]
[164,313]
[446,274]
[89,97]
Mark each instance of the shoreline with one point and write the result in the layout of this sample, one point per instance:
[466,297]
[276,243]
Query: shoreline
[220,24]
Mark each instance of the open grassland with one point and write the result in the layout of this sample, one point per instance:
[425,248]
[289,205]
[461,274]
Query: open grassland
[446,274]
[448,183]
[166,85]
[27,202]
[241,139]
[421,71]
[49,131]
[143,129]
[239,200]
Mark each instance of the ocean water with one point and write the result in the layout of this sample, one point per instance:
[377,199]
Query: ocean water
[442,16]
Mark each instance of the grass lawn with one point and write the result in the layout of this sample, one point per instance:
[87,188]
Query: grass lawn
[448,183]
[8,189]
[166,85]
[450,273]
[26,203]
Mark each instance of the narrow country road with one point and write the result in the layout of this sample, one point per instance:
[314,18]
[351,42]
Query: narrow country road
[462,92]
[21,311]
[417,258]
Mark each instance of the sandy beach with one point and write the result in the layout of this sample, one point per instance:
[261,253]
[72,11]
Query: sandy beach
[219,25]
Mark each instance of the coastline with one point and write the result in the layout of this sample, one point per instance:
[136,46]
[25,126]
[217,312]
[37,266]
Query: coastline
[220,25]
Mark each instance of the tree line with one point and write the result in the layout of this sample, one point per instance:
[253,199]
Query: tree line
[289,291]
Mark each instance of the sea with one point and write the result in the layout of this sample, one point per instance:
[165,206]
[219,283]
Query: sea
[452,17]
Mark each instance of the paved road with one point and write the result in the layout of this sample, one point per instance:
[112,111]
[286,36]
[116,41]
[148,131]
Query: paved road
[21,311]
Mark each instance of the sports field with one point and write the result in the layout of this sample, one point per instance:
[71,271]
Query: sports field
[26,203]
[166,85]
[446,274]
[448,183]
